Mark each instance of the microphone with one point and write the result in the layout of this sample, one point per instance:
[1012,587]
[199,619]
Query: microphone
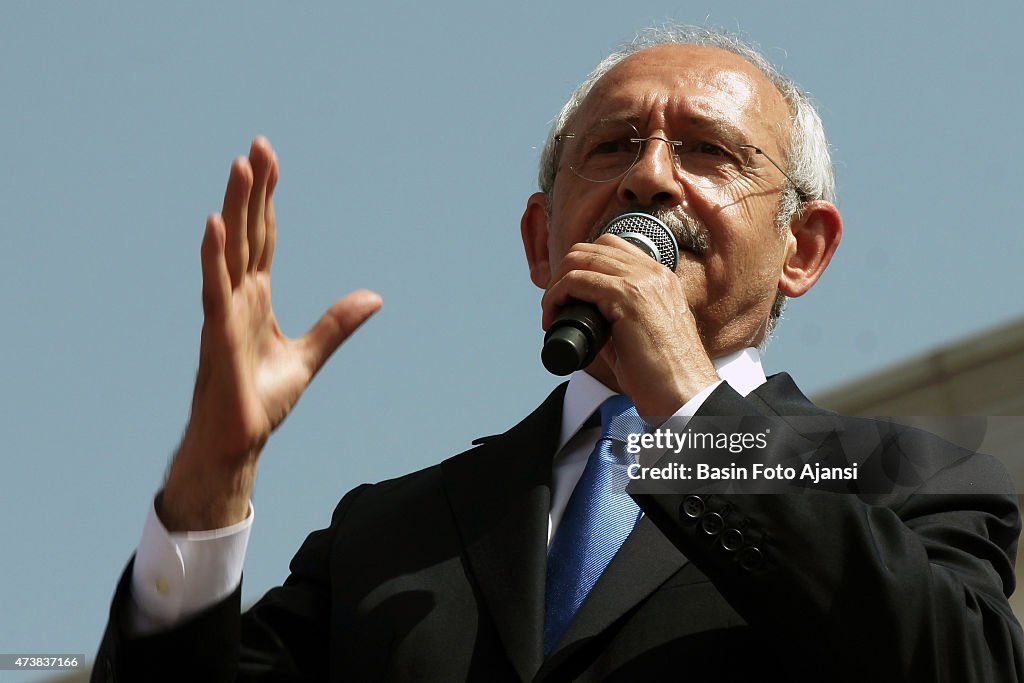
[575,338]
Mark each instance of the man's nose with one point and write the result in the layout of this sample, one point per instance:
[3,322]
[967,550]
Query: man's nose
[653,180]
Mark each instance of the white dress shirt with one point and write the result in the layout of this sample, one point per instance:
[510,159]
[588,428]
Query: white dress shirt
[177,575]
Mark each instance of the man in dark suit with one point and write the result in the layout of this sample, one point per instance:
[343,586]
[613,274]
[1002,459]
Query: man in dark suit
[448,573]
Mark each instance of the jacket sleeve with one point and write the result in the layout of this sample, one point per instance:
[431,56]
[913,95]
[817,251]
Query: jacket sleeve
[909,585]
[283,637]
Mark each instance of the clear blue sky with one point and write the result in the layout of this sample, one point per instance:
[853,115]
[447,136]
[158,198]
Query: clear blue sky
[408,136]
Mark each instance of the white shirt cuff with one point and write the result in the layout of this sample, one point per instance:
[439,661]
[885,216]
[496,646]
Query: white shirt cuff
[177,575]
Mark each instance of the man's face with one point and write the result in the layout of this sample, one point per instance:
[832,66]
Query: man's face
[675,92]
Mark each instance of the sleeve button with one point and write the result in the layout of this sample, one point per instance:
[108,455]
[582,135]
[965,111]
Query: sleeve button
[750,558]
[693,507]
[732,540]
[712,524]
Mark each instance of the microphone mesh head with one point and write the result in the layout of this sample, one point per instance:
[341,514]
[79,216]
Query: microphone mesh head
[655,232]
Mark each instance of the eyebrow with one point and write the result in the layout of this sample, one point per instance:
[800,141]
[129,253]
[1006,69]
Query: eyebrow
[720,127]
[618,120]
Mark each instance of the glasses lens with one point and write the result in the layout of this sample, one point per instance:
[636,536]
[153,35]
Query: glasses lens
[608,152]
[605,153]
[710,163]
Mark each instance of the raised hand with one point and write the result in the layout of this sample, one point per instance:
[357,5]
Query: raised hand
[250,375]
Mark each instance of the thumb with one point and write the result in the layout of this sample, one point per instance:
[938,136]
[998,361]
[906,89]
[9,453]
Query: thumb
[341,320]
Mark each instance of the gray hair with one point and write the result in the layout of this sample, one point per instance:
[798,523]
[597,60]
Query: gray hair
[807,162]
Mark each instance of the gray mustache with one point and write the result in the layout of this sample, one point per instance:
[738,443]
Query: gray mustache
[689,232]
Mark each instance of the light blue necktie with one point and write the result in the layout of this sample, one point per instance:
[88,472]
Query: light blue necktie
[597,520]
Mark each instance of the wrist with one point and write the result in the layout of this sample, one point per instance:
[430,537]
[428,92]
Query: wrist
[673,394]
[205,490]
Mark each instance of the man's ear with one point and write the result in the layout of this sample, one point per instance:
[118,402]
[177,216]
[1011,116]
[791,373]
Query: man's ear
[813,238]
[534,227]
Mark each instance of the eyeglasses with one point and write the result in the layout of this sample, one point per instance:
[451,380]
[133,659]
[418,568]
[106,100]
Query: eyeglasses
[609,152]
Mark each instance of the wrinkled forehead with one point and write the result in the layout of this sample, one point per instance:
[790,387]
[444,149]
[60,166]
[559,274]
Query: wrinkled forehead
[669,87]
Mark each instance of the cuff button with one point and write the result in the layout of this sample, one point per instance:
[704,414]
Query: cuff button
[693,507]
[732,540]
[750,558]
[712,524]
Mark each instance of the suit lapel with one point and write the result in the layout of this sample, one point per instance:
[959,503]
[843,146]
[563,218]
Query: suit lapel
[645,561]
[500,496]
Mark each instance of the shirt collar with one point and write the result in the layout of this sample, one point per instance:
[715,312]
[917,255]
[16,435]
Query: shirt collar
[741,369]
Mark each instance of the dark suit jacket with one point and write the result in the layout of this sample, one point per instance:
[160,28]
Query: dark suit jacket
[439,576]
